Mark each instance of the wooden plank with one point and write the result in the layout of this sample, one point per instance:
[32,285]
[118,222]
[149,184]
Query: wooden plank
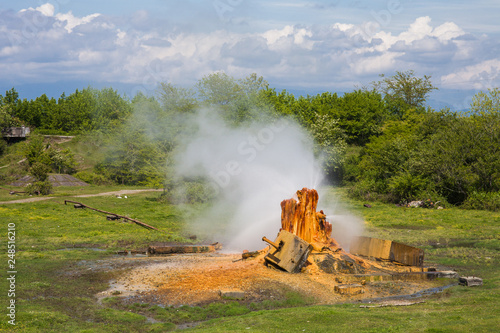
[81,205]
[349,289]
[159,250]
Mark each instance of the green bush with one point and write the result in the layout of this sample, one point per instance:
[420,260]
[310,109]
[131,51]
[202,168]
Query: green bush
[39,188]
[407,187]
[93,178]
[194,192]
[63,161]
[42,131]
[3,146]
[40,171]
[483,200]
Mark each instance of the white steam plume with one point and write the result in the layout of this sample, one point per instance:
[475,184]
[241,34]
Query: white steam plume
[253,168]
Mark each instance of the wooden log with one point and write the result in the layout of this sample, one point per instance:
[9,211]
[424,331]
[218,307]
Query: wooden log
[179,249]
[142,224]
[247,255]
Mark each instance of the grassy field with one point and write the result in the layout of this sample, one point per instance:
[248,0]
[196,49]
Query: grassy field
[55,291]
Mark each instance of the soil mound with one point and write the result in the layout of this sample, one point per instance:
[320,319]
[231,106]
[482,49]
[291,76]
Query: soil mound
[55,179]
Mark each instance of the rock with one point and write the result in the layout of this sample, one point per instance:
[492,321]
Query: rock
[416,204]
[470,281]
[367,205]
[448,274]
[337,264]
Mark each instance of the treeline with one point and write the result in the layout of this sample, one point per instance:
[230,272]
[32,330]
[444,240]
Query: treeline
[383,141]
[84,110]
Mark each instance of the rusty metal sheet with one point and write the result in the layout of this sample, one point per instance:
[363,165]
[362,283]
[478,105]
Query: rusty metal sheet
[387,250]
[288,252]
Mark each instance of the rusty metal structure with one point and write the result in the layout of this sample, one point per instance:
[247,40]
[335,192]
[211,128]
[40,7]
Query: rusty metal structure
[306,234]
[288,252]
[387,250]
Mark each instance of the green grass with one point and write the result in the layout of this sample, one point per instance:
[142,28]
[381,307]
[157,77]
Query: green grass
[55,287]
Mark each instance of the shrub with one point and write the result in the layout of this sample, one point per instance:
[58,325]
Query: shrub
[93,178]
[40,171]
[39,188]
[406,187]
[483,200]
[191,192]
[3,146]
[63,161]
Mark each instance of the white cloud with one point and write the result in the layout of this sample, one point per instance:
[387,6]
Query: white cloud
[331,56]
[73,21]
[447,31]
[46,9]
[481,76]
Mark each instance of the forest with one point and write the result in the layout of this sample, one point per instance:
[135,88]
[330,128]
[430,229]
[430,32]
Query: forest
[383,142]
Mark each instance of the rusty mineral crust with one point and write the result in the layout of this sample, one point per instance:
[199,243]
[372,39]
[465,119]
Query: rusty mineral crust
[299,217]
[330,274]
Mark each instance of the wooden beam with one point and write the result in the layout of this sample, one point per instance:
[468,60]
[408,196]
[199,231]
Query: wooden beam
[142,224]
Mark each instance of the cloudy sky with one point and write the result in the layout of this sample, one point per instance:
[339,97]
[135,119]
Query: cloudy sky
[304,47]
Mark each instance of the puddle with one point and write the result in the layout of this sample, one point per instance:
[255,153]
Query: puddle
[81,248]
[132,254]
[418,294]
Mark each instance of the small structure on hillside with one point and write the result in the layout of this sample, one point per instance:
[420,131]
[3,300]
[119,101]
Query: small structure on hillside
[16,132]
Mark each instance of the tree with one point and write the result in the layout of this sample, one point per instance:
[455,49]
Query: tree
[74,113]
[486,103]
[361,115]
[237,100]
[110,109]
[175,99]
[404,87]
[11,97]
[330,143]
[36,112]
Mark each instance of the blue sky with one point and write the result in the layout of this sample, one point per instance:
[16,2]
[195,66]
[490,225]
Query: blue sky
[302,46]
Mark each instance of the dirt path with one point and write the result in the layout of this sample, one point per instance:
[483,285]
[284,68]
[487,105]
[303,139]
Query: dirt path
[121,192]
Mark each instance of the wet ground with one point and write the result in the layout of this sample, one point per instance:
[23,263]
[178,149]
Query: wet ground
[195,279]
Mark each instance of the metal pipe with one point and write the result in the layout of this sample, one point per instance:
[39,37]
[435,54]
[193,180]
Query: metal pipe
[277,247]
